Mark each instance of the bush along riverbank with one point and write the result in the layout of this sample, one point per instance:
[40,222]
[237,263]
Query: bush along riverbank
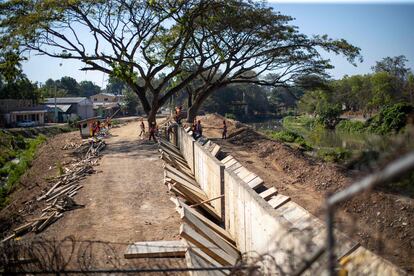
[17,150]
[350,142]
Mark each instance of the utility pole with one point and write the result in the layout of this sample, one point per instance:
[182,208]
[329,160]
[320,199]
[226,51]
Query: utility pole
[56,112]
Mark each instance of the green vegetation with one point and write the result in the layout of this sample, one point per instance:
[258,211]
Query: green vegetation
[334,154]
[390,119]
[287,136]
[351,126]
[12,171]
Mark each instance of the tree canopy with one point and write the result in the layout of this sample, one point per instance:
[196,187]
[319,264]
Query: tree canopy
[174,41]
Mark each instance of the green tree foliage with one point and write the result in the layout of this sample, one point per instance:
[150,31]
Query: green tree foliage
[395,66]
[68,87]
[88,88]
[383,90]
[13,83]
[409,89]
[115,86]
[130,103]
[320,104]
[234,99]
[390,119]
[221,39]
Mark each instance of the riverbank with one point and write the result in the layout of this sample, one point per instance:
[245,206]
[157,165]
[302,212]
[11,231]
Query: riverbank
[18,148]
[380,220]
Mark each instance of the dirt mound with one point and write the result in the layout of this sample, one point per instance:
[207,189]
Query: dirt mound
[245,134]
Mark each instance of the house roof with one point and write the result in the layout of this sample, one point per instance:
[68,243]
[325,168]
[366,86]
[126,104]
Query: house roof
[62,107]
[65,100]
[29,109]
[105,94]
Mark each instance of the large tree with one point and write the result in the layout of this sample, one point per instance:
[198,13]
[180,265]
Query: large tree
[139,41]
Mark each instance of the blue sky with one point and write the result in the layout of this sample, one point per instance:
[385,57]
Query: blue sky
[380,29]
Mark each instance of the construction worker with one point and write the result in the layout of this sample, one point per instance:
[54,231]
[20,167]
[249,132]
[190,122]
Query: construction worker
[224,135]
[152,131]
[198,130]
[142,127]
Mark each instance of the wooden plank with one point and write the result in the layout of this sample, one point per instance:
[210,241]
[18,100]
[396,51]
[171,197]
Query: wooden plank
[156,249]
[239,170]
[234,167]
[187,129]
[185,209]
[183,175]
[195,194]
[195,198]
[207,232]
[175,163]
[227,158]
[256,182]
[205,245]
[172,155]
[249,177]
[169,145]
[189,185]
[215,150]
[194,260]
[279,200]
[266,195]
[230,163]
[292,212]
[243,173]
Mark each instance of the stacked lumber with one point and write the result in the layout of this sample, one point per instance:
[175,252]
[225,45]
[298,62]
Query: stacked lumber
[180,180]
[71,145]
[59,197]
[207,244]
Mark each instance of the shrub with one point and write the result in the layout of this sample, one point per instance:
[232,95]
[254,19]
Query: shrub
[391,118]
[15,171]
[230,116]
[334,154]
[287,136]
[350,126]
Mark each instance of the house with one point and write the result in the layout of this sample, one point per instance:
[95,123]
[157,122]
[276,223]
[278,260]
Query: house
[13,112]
[105,98]
[105,104]
[68,108]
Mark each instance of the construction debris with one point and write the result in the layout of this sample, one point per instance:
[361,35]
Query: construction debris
[156,249]
[59,198]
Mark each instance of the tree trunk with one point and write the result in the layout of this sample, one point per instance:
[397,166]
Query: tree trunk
[192,112]
[151,116]
[189,100]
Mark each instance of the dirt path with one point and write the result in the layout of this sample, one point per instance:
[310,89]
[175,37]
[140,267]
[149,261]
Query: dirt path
[125,201]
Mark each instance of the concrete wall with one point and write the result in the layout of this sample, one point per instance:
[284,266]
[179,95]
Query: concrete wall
[209,173]
[286,236]
[186,144]
[258,229]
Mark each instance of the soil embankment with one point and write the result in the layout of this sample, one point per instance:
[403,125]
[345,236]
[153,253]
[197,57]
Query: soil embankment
[380,221]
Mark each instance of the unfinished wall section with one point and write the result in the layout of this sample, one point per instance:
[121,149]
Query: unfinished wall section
[209,173]
[186,144]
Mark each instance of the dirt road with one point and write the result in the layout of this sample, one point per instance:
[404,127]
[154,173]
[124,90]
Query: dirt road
[125,201]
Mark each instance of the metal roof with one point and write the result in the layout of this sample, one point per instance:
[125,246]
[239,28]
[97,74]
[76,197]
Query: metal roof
[65,100]
[62,107]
